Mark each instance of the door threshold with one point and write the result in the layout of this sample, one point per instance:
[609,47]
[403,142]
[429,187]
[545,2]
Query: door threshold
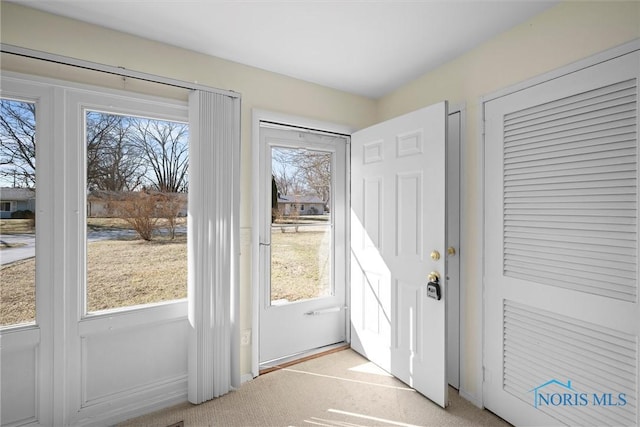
[285,362]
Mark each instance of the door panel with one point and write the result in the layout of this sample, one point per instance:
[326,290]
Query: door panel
[561,303]
[302,291]
[398,212]
[19,371]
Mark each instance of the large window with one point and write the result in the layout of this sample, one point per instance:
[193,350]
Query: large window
[17,202]
[114,173]
[137,182]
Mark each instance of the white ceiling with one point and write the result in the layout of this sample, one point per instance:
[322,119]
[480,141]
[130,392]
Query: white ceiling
[364,47]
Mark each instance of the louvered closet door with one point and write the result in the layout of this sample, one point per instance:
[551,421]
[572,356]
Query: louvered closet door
[561,249]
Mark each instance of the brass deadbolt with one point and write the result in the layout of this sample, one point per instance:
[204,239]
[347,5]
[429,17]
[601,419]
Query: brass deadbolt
[434,276]
[435,255]
[451,251]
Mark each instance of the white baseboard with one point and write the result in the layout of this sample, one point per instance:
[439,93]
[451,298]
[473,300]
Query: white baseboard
[133,403]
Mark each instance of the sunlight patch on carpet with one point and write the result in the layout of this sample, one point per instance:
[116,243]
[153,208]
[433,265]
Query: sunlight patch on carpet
[370,418]
[349,380]
[370,368]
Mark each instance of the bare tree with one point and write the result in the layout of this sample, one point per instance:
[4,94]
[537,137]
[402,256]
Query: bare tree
[18,143]
[168,206]
[99,128]
[165,148]
[302,172]
[143,210]
[138,209]
[315,167]
[113,160]
[285,171]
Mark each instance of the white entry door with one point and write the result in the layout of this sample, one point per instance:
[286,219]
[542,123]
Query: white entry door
[561,315]
[398,237]
[302,241]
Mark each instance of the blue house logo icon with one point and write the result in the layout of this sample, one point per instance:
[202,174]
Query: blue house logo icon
[540,396]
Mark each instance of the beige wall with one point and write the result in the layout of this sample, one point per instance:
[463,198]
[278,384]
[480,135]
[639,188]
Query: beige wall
[563,34]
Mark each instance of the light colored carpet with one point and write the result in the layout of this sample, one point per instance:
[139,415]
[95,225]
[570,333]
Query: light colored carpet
[338,390]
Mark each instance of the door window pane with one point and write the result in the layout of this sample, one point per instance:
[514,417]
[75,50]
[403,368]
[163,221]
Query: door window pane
[302,225]
[17,214]
[137,179]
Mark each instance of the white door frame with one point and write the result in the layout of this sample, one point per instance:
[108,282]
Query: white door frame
[562,71]
[258,115]
[454,237]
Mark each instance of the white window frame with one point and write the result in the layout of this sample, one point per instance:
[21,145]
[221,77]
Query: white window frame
[58,392]
[109,102]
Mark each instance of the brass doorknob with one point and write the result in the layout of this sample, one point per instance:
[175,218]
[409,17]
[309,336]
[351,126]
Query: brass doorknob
[451,251]
[435,255]
[434,276]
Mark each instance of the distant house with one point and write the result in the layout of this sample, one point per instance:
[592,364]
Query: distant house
[102,203]
[16,199]
[303,205]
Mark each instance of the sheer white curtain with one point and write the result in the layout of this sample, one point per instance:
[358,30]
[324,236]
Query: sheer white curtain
[214,175]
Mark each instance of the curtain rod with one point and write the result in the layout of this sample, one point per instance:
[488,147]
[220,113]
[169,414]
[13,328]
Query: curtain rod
[109,69]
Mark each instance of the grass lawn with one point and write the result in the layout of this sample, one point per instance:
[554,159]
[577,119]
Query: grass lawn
[300,265]
[17,294]
[120,273]
[132,272]
[16,226]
